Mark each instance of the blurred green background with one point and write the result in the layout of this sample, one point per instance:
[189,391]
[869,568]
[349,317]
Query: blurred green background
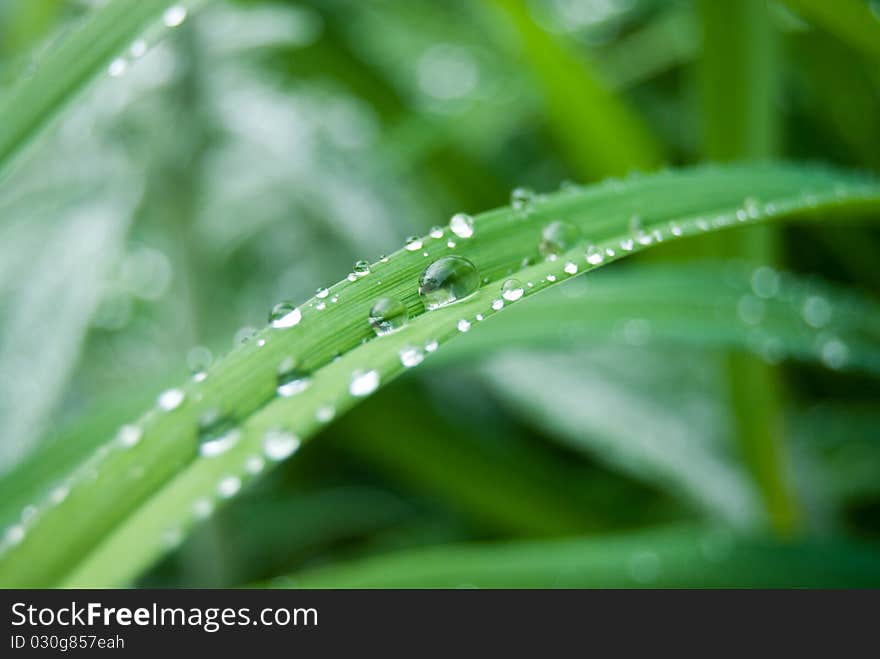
[257,149]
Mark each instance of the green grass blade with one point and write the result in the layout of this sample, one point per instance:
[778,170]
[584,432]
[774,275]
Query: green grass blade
[118,509]
[106,33]
[661,558]
[852,21]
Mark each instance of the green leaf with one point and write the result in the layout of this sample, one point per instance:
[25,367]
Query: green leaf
[115,514]
[852,21]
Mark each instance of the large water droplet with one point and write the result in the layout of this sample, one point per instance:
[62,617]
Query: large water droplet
[291,380]
[284,314]
[199,359]
[511,290]
[462,225]
[217,434]
[594,255]
[447,280]
[558,237]
[363,383]
[174,16]
[521,198]
[387,315]
[321,293]
[463,325]
[279,444]
[413,243]
[361,268]
[170,399]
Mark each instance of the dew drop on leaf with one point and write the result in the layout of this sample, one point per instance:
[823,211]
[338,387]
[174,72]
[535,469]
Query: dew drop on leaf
[447,280]
[129,436]
[361,268]
[413,244]
[284,315]
[363,383]
[557,237]
[198,359]
[594,255]
[511,290]
[463,325]
[217,434]
[462,225]
[387,315]
[411,356]
[816,311]
[279,444]
[291,380]
[228,486]
[170,399]
[521,198]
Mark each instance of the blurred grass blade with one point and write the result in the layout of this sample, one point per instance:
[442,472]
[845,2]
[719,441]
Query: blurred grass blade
[855,22]
[115,513]
[660,558]
[104,34]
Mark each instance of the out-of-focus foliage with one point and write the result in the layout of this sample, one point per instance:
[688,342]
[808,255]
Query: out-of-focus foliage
[236,153]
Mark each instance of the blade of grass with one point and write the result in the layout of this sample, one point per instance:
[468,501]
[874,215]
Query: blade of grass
[117,508]
[670,557]
[104,34]
[852,21]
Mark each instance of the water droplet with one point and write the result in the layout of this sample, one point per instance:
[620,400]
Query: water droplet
[202,508]
[436,232]
[594,255]
[199,359]
[117,67]
[511,290]
[498,304]
[447,280]
[321,306]
[351,276]
[462,225]
[325,413]
[254,465]
[14,535]
[291,380]
[138,48]
[431,346]
[59,494]
[321,293]
[261,343]
[816,311]
[244,335]
[551,278]
[765,282]
[170,399]
[521,198]
[463,325]
[383,259]
[361,268]
[279,444]
[388,315]
[413,243]
[834,353]
[363,383]
[284,315]
[626,244]
[128,436]
[750,309]
[411,356]
[637,229]
[450,244]
[558,237]
[174,16]
[228,486]
[217,434]
[570,268]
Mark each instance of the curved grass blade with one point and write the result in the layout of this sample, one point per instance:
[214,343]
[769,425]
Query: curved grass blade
[660,558]
[121,507]
[104,34]
[854,22]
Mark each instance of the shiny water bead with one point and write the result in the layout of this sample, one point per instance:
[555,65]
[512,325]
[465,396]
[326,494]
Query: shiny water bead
[198,359]
[411,356]
[321,293]
[279,444]
[462,225]
[361,268]
[521,198]
[387,315]
[363,382]
[436,232]
[463,325]
[511,290]
[325,413]
[570,268]
[413,243]
[129,436]
[816,311]
[217,433]
[498,304]
[284,315]
[291,380]
[170,399]
[558,237]
[431,346]
[244,334]
[594,255]
[228,486]
[447,280]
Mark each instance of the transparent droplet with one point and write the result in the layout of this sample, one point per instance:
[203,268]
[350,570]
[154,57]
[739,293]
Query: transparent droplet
[834,353]
[170,399]
[447,280]
[750,309]
[199,359]
[363,383]
[388,315]
[174,16]
[463,325]
[321,293]
[244,335]
[228,486]
[291,380]
[816,311]
[284,315]
[413,243]
[411,356]
[521,198]
[626,244]
[558,237]
[637,230]
[431,346]
[254,464]
[551,278]
[352,277]
[361,268]
[765,282]
[570,268]
[436,232]
[117,67]
[14,535]
[202,508]
[462,225]
[325,413]
[129,436]
[217,433]
[511,290]
[138,48]
[59,494]
[279,444]
[594,255]
[498,304]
